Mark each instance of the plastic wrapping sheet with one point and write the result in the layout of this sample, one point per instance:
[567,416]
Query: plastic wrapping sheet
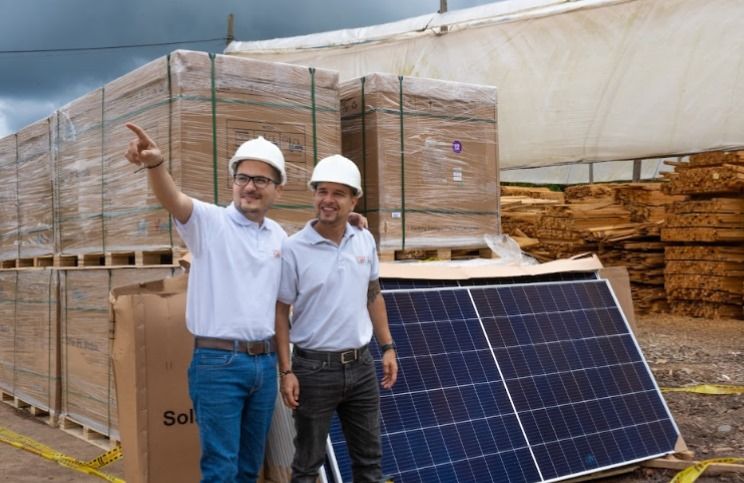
[88,391]
[35,349]
[8,198]
[428,153]
[199,109]
[78,175]
[8,280]
[35,196]
[584,80]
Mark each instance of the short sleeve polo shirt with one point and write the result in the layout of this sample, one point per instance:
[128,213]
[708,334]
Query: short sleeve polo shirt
[327,287]
[234,275]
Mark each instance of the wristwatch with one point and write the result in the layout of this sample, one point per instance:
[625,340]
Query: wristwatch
[386,347]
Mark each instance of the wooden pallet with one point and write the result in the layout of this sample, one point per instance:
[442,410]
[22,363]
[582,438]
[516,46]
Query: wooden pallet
[138,258]
[29,262]
[86,433]
[43,414]
[436,254]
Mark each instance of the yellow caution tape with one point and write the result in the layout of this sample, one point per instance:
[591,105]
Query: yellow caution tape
[87,467]
[707,389]
[691,473]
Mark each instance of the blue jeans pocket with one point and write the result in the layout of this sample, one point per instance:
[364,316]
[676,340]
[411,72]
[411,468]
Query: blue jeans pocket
[212,358]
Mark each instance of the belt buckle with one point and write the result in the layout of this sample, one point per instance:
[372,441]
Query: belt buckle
[352,356]
[256,348]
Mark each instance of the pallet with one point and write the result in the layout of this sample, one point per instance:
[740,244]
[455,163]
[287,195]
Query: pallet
[36,411]
[29,262]
[437,254]
[137,258]
[87,434]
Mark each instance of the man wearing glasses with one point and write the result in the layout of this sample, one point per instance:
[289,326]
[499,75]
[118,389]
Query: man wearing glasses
[233,286]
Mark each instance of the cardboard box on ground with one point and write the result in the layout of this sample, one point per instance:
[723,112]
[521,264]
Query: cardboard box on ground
[428,153]
[151,353]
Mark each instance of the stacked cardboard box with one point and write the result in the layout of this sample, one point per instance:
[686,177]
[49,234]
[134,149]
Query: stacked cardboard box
[29,362]
[35,195]
[198,108]
[428,153]
[88,392]
[8,199]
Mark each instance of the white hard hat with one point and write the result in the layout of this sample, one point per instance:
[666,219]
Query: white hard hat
[259,149]
[337,169]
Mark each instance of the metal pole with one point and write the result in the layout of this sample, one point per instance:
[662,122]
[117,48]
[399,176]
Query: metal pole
[230,29]
[442,9]
[636,170]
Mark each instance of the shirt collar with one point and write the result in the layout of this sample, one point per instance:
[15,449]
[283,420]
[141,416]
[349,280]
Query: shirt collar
[312,236]
[240,219]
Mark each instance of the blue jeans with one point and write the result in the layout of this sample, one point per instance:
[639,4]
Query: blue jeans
[233,395]
[351,390]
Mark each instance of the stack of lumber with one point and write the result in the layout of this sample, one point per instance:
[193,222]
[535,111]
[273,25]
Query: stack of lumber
[645,201]
[521,208]
[704,274]
[638,245]
[565,230]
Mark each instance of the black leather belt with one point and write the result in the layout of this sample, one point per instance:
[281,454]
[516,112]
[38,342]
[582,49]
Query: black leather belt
[340,357]
[254,348]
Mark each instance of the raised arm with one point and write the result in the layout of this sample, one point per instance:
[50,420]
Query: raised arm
[378,314]
[144,152]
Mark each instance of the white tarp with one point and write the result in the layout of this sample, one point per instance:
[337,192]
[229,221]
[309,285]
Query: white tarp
[578,81]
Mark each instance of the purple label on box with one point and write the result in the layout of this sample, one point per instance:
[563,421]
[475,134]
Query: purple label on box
[457,146]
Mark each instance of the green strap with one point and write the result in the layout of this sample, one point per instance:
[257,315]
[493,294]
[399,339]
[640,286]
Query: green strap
[402,168]
[103,169]
[313,112]
[18,200]
[53,162]
[110,367]
[56,210]
[50,338]
[15,332]
[214,129]
[170,140]
[364,149]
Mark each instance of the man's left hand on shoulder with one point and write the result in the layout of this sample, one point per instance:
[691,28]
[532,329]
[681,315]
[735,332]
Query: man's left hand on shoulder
[358,221]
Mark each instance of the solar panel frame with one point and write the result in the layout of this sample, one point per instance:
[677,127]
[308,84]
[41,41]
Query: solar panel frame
[578,458]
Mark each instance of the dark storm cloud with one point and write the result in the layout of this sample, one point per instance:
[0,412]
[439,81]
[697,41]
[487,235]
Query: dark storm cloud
[32,85]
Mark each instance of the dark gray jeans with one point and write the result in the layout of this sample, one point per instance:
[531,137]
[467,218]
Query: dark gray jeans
[351,390]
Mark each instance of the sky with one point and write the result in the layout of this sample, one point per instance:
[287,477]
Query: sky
[34,84]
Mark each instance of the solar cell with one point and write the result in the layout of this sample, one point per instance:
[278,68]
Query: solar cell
[517,383]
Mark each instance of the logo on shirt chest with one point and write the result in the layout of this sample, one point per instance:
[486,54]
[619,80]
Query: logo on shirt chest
[277,253]
[364,260]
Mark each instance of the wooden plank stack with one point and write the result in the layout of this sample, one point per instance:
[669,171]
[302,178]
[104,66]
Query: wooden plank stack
[521,208]
[704,267]
[637,245]
[565,229]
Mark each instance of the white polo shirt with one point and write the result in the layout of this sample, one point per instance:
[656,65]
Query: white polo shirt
[327,286]
[234,275]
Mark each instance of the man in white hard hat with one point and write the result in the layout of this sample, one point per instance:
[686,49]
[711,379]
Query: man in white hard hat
[330,277]
[233,286]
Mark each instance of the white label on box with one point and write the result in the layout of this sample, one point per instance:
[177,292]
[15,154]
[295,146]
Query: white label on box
[396,214]
[457,175]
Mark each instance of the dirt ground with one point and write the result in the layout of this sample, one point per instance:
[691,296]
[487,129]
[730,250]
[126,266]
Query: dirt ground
[681,351]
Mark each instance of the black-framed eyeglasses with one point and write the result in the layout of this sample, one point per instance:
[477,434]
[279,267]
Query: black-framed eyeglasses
[258,181]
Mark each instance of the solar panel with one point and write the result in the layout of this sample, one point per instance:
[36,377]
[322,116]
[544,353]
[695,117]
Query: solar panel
[517,383]
[408,283]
